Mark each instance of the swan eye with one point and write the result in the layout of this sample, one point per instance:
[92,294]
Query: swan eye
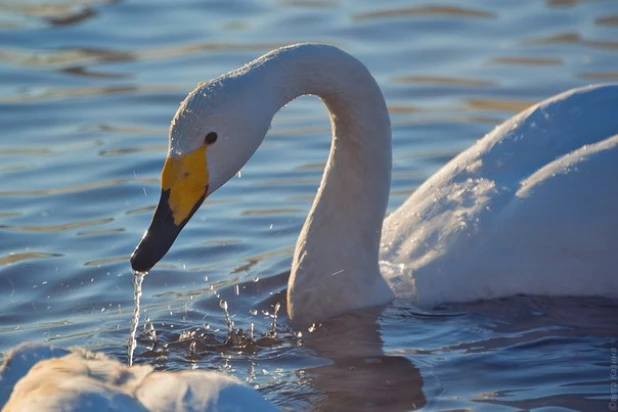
[210,138]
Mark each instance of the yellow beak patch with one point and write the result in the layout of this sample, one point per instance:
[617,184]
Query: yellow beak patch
[186,179]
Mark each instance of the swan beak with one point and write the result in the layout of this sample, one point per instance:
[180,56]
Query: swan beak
[184,186]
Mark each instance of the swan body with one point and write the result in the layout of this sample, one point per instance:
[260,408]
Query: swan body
[36,377]
[527,209]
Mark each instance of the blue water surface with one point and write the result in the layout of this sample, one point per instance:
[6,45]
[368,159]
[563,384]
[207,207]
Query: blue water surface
[87,90]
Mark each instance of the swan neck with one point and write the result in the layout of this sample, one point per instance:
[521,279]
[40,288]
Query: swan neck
[335,266]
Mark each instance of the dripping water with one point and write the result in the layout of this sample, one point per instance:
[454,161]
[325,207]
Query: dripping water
[138,278]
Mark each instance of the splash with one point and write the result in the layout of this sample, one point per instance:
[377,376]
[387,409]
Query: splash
[228,319]
[273,326]
[138,278]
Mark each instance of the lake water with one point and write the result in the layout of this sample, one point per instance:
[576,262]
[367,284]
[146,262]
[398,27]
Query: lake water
[87,90]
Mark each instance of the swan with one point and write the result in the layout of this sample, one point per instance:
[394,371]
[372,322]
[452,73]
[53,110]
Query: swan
[527,209]
[36,377]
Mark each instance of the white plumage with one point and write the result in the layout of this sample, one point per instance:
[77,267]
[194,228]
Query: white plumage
[36,377]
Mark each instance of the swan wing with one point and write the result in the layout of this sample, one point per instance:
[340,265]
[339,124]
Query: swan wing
[527,209]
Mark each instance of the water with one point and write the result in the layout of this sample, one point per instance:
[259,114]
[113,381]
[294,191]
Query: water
[138,279]
[87,90]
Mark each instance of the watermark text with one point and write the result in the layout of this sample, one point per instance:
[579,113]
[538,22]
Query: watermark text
[613,379]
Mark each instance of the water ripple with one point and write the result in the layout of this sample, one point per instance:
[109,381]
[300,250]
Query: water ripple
[107,261]
[607,20]
[528,61]
[18,257]
[72,56]
[269,212]
[512,106]
[574,38]
[77,188]
[100,232]
[58,228]
[600,76]
[447,81]
[82,92]
[450,11]
[59,14]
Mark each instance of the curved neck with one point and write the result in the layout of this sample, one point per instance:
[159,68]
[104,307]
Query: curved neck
[335,267]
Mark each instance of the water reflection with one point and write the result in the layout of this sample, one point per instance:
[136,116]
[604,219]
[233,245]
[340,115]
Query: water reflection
[82,92]
[574,38]
[345,368]
[18,257]
[528,61]
[72,55]
[380,383]
[71,17]
[85,72]
[419,11]
[358,375]
[607,20]
[566,3]
[443,80]
[76,188]
[600,76]
[58,228]
[510,106]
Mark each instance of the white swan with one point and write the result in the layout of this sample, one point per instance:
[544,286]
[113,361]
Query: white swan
[528,209]
[37,377]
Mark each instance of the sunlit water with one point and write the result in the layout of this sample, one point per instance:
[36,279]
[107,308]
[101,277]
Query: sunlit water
[87,90]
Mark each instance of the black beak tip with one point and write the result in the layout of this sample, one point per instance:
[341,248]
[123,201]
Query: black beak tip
[153,246]
[140,262]
[157,240]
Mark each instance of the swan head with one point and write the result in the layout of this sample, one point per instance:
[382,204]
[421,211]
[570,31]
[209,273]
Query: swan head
[215,131]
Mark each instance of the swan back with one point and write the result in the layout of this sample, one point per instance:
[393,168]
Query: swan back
[527,209]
